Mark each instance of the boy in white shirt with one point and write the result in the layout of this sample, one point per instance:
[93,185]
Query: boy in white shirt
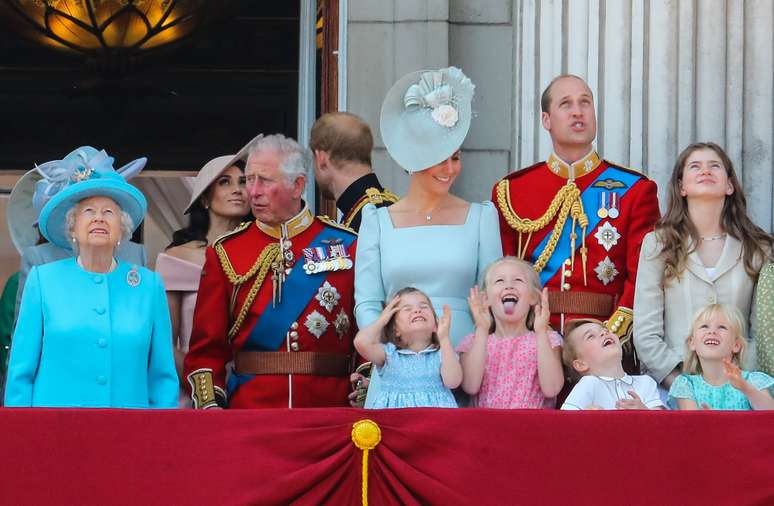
[595,353]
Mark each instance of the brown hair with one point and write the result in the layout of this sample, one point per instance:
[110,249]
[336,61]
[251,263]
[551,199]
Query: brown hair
[676,225]
[390,336]
[545,98]
[568,346]
[532,278]
[692,363]
[344,136]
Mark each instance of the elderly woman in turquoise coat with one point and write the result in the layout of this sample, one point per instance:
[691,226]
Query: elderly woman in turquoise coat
[92,331]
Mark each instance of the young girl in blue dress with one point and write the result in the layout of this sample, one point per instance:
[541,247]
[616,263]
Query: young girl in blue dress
[412,353]
[711,376]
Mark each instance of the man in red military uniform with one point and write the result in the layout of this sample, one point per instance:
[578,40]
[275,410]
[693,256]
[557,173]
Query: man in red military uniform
[578,218]
[275,298]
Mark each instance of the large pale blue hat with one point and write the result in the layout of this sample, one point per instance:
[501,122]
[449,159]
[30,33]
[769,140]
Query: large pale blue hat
[84,173]
[426,116]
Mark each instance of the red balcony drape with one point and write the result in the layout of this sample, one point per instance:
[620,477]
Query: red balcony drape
[426,456]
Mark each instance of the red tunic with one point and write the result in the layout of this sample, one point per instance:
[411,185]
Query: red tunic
[531,192]
[210,349]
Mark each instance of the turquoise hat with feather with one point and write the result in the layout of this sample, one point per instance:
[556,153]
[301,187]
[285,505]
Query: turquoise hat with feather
[426,116]
[84,173]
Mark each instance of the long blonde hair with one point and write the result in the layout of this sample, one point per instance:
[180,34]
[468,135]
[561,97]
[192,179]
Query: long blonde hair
[692,363]
[532,279]
[675,226]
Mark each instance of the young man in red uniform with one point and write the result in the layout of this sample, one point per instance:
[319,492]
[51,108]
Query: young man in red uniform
[578,218]
[276,298]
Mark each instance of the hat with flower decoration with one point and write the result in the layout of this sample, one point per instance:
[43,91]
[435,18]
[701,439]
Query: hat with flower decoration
[426,116]
[84,173]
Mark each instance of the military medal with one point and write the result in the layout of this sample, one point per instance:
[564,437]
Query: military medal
[328,296]
[614,204]
[332,257]
[607,235]
[133,277]
[606,271]
[602,210]
[316,323]
[342,324]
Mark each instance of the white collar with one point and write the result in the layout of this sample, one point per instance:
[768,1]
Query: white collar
[407,351]
[625,379]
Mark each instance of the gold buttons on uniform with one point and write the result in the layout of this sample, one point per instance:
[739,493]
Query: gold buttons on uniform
[294,335]
[294,346]
[294,326]
[566,286]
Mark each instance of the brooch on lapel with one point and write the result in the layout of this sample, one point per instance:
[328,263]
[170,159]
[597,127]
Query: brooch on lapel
[133,277]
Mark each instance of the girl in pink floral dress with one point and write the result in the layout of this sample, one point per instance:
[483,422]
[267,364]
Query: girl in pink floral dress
[513,359]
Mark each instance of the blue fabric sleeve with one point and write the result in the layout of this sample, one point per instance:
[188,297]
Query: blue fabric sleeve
[162,375]
[389,353]
[761,381]
[490,247]
[369,286]
[26,345]
[681,389]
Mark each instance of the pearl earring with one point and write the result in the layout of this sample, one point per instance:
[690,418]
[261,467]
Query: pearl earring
[73,238]
[118,243]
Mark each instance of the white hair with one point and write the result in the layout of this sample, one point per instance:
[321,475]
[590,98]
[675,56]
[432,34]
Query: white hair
[127,226]
[294,159]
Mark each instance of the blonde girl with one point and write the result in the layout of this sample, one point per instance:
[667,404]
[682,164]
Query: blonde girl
[513,359]
[712,377]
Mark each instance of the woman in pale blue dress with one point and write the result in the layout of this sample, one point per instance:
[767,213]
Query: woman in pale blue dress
[430,239]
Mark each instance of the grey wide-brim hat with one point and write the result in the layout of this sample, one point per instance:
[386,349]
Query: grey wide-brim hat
[214,168]
[426,116]
[21,214]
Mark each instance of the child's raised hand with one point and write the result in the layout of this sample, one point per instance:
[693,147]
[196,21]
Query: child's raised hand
[542,313]
[634,403]
[390,309]
[479,308]
[734,374]
[444,324]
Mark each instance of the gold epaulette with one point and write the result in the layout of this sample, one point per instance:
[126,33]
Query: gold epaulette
[334,224]
[239,229]
[379,197]
[372,196]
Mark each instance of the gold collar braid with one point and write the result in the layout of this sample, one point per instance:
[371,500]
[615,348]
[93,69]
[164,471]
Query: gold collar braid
[566,202]
[268,256]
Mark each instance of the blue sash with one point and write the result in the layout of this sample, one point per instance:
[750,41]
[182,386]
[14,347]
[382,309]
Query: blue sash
[297,290]
[590,199]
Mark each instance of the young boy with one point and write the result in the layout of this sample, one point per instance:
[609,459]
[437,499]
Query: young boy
[595,353]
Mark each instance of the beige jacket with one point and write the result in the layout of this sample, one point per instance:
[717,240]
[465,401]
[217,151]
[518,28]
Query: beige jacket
[663,315]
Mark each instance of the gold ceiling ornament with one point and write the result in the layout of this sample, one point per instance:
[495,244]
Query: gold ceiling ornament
[107,28]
